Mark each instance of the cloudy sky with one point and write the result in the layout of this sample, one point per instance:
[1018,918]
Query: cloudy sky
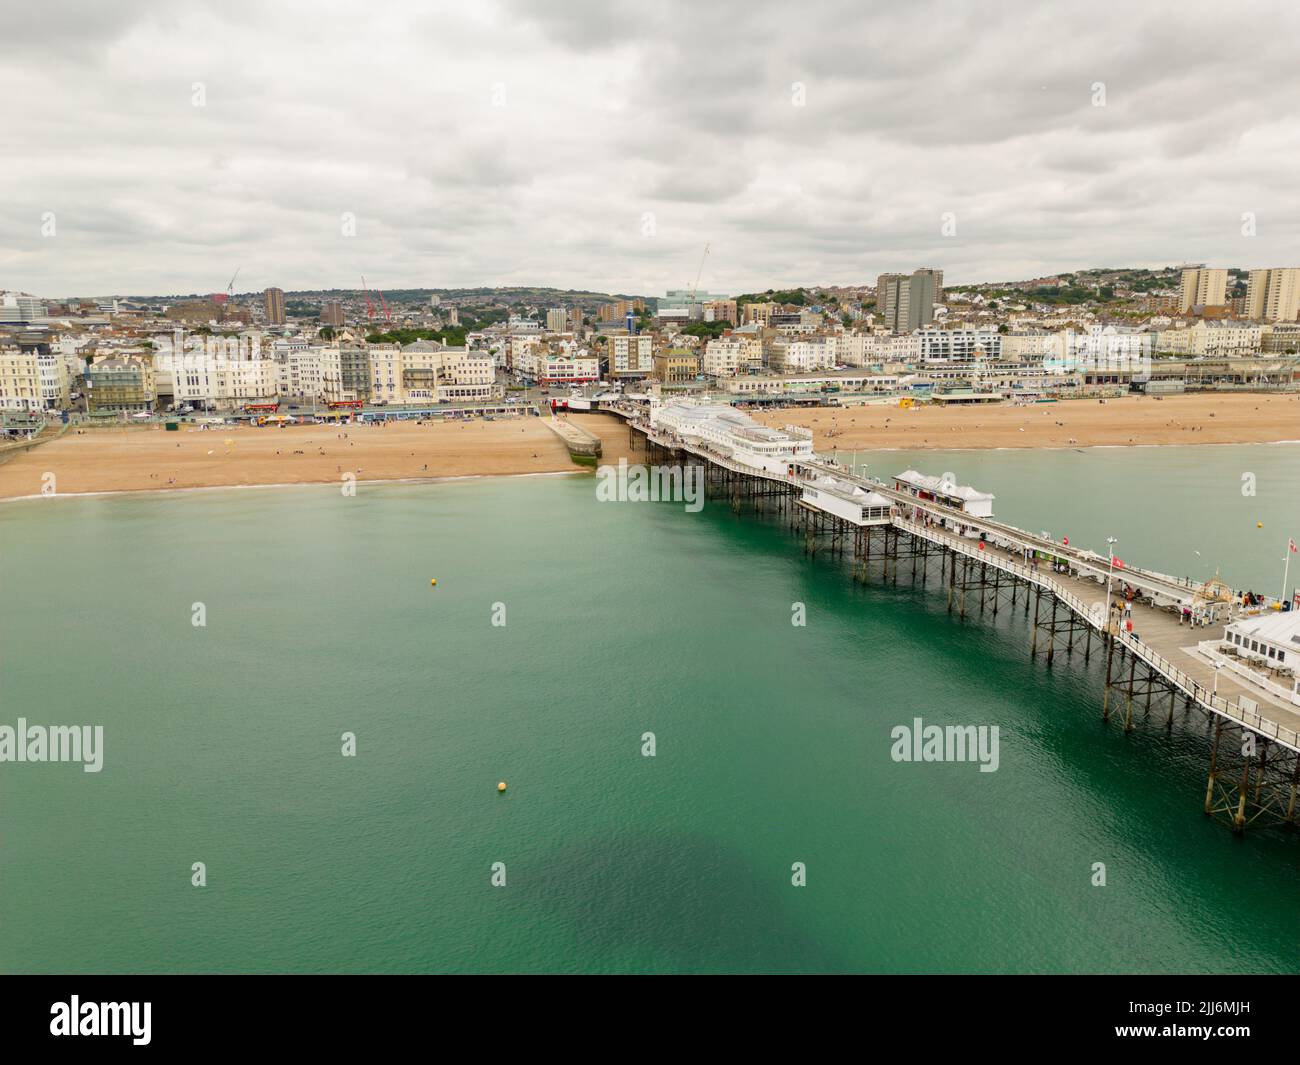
[152,148]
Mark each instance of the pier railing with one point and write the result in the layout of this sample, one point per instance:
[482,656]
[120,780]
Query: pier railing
[1098,619]
[1095,615]
[1208,698]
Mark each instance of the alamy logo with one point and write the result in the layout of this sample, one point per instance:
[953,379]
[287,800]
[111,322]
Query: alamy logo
[946,743]
[651,484]
[102,1018]
[53,743]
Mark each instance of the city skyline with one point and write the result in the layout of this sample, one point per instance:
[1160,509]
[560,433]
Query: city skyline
[599,147]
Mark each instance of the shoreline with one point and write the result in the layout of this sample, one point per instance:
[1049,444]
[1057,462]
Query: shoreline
[90,464]
[94,464]
[185,489]
[576,472]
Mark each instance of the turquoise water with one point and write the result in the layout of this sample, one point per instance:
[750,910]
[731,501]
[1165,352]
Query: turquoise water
[222,743]
[1186,511]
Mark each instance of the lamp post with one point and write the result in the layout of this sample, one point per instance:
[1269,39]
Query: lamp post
[1110,573]
[1215,692]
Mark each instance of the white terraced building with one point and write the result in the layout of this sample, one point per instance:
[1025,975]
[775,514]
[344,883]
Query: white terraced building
[734,435]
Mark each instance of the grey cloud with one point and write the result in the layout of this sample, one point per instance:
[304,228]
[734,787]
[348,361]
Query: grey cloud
[615,109]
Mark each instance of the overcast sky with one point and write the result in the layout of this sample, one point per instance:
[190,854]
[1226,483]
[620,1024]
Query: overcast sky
[600,143]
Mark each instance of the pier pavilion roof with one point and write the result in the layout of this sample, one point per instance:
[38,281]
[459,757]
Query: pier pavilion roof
[939,486]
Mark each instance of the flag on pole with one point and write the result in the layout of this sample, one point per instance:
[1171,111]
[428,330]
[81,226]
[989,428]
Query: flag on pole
[1291,545]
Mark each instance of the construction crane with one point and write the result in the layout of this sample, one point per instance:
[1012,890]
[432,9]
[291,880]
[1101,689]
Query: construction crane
[370,307]
[699,273]
[230,288]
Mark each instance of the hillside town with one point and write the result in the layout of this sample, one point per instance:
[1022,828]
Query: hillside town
[284,356]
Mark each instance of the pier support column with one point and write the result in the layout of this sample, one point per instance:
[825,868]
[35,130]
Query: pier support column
[1292,790]
[1214,767]
[1128,695]
[1243,789]
[1110,674]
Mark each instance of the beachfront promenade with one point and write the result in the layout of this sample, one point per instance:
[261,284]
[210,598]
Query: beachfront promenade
[1151,671]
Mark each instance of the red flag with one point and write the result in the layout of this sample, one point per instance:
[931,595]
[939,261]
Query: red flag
[1291,544]
[1065,540]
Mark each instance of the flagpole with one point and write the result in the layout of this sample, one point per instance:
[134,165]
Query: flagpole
[1286,570]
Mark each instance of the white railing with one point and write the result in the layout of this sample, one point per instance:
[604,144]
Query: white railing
[1179,678]
[1094,617]
[1210,648]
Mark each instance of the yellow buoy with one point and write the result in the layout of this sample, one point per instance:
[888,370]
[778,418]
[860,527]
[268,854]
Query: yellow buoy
[1259,525]
[501,786]
[433,581]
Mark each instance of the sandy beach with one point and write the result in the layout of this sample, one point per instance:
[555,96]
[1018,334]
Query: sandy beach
[136,459]
[1221,418]
[133,460]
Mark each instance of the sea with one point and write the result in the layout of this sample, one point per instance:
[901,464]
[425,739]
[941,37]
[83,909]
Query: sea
[303,737]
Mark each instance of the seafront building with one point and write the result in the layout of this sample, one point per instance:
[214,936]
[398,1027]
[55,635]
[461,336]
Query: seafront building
[676,366]
[121,384]
[731,354]
[213,380]
[20,380]
[1219,339]
[944,346]
[631,356]
[823,345]
[794,356]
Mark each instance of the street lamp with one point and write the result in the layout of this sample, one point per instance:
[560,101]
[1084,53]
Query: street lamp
[1217,666]
[1111,541]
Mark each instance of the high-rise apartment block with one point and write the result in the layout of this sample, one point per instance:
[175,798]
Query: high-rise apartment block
[274,306]
[1202,287]
[905,302]
[1274,295]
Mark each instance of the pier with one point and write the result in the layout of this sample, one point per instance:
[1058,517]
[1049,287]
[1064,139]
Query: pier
[1153,673]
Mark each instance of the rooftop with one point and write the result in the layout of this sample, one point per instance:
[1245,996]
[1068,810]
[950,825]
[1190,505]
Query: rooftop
[1282,627]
